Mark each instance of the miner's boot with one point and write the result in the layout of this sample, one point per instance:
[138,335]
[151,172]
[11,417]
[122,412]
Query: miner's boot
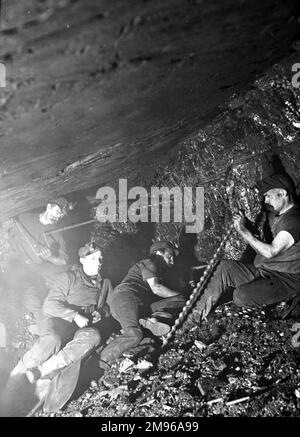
[49,368]
[156,327]
[197,316]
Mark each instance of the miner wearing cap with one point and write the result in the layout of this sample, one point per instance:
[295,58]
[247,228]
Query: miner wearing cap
[36,257]
[274,275]
[143,300]
[74,310]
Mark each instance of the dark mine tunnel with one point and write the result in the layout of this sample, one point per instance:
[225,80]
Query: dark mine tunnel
[149,220]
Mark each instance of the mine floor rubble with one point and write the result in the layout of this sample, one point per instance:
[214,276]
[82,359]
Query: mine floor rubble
[239,363]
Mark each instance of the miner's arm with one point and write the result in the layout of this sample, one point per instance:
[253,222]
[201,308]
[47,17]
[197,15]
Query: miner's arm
[160,289]
[280,243]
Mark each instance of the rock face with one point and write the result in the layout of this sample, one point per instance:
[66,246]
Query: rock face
[255,136]
[178,93]
[97,91]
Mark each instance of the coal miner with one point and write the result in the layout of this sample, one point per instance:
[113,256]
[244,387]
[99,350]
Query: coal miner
[143,299]
[35,257]
[274,275]
[75,309]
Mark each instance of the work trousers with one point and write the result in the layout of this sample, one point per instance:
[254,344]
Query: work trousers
[127,308]
[59,336]
[252,288]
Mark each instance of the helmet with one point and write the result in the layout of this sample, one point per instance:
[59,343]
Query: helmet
[62,203]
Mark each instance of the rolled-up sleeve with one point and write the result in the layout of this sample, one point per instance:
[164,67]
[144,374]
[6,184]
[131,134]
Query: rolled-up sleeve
[148,270]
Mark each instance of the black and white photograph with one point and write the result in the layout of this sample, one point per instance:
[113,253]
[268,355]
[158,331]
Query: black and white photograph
[150,211]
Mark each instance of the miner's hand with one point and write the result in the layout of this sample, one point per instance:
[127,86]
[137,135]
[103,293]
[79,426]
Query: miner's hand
[239,221]
[45,252]
[192,283]
[81,321]
[96,317]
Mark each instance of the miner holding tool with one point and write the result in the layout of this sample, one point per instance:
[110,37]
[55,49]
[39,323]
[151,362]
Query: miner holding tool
[75,311]
[143,299]
[36,257]
[274,275]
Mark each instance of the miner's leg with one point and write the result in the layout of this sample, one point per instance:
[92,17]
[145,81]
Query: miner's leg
[169,304]
[125,308]
[84,341]
[228,274]
[55,333]
[261,292]
[164,312]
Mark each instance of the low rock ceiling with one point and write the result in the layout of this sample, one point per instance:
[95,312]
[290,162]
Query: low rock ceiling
[98,90]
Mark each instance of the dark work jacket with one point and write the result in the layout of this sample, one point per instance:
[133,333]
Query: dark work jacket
[75,293]
[36,231]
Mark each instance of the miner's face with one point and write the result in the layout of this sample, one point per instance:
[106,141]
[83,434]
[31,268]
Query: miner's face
[275,198]
[167,256]
[92,263]
[54,213]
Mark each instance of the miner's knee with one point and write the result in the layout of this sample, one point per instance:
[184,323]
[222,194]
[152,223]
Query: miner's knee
[89,335]
[135,336]
[241,297]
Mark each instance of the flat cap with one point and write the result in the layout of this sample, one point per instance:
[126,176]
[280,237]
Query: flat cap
[88,249]
[62,203]
[276,181]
